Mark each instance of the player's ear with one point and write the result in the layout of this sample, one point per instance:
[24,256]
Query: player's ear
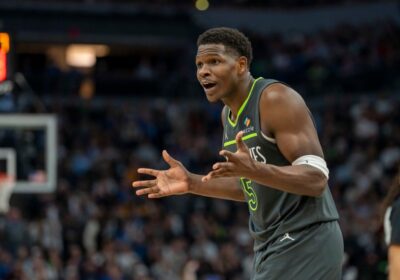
[242,65]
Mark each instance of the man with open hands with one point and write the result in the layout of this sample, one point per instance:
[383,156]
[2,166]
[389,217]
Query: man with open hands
[274,162]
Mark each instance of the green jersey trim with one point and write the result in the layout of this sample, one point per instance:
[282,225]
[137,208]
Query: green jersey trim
[234,123]
[231,142]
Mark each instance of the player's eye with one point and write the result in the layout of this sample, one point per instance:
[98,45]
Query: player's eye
[199,65]
[214,61]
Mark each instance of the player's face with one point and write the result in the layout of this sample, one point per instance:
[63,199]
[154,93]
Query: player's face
[217,71]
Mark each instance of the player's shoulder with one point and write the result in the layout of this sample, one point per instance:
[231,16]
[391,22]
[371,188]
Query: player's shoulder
[278,95]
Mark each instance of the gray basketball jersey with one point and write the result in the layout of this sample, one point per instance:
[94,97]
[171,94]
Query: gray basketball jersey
[392,223]
[272,212]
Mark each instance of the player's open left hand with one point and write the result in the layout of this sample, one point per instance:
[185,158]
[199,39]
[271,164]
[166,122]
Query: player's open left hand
[172,181]
[237,164]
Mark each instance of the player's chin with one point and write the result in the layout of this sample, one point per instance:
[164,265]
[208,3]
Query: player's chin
[212,97]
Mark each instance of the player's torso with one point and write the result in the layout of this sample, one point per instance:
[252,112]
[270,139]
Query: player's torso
[272,211]
[260,198]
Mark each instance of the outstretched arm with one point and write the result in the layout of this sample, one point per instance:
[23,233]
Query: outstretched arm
[394,261]
[285,117]
[177,180]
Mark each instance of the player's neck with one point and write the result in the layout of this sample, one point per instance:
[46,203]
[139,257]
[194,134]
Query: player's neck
[239,97]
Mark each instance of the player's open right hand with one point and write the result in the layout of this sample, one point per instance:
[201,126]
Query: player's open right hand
[172,181]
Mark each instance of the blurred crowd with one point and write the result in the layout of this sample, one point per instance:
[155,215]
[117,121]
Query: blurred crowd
[346,58]
[95,227]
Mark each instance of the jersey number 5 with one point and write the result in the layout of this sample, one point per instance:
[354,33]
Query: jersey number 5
[250,193]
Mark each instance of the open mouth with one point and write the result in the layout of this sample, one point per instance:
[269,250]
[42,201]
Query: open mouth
[209,85]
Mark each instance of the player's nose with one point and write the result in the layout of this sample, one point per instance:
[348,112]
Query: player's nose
[204,71]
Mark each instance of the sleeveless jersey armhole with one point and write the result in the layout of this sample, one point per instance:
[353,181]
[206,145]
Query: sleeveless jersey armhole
[268,82]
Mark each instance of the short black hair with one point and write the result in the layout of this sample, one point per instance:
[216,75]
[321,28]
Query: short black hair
[231,38]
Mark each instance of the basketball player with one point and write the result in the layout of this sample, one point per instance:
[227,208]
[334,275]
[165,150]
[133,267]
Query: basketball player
[392,228]
[274,162]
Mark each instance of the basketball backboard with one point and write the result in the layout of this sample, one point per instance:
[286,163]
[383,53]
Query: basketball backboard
[33,138]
